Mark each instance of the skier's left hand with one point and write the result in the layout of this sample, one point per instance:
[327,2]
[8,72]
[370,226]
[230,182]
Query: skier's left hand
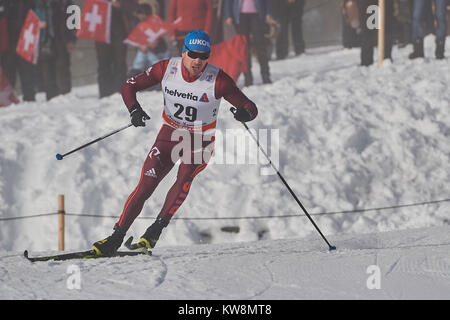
[242,115]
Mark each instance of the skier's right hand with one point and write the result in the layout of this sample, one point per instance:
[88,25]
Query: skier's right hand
[138,116]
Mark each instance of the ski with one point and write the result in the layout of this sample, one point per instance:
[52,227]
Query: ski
[88,254]
[137,247]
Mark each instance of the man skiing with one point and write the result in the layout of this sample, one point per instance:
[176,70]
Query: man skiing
[192,90]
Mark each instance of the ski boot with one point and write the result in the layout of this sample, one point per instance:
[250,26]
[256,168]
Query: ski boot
[440,49]
[418,51]
[110,245]
[151,235]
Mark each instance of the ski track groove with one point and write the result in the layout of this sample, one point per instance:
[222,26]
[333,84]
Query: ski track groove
[164,272]
[270,284]
[392,267]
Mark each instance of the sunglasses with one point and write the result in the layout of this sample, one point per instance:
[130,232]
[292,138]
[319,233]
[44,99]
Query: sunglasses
[195,55]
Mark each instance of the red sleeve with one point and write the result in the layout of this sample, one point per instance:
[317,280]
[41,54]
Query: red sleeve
[226,87]
[142,81]
[172,15]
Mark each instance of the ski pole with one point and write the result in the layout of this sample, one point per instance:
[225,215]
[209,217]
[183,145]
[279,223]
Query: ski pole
[61,156]
[330,247]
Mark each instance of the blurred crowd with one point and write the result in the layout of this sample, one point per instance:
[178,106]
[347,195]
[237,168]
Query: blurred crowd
[273,28]
[52,72]
[406,21]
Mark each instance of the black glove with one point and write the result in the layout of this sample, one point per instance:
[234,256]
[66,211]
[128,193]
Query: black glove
[242,115]
[138,116]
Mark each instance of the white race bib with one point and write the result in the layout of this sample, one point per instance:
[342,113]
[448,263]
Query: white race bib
[190,105]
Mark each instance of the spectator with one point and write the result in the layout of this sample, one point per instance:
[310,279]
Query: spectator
[55,45]
[418,29]
[369,35]
[351,29]
[111,57]
[65,42]
[194,14]
[4,37]
[403,10]
[147,56]
[16,12]
[157,6]
[249,17]
[289,12]
[217,28]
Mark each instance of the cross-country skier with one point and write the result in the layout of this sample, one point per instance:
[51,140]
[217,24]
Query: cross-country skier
[192,90]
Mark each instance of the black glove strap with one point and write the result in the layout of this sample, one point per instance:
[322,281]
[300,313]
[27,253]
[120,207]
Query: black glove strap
[134,108]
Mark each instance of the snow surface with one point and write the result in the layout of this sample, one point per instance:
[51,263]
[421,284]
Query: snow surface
[349,138]
[413,264]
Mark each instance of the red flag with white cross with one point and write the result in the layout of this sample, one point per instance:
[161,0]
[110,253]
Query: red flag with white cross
[148,31]
[7,94]
[95,21]
[28,44]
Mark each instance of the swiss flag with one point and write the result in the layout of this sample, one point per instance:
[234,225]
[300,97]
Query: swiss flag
[7,94]
[28,44]
[231,56]
[96,21]
[149,30]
